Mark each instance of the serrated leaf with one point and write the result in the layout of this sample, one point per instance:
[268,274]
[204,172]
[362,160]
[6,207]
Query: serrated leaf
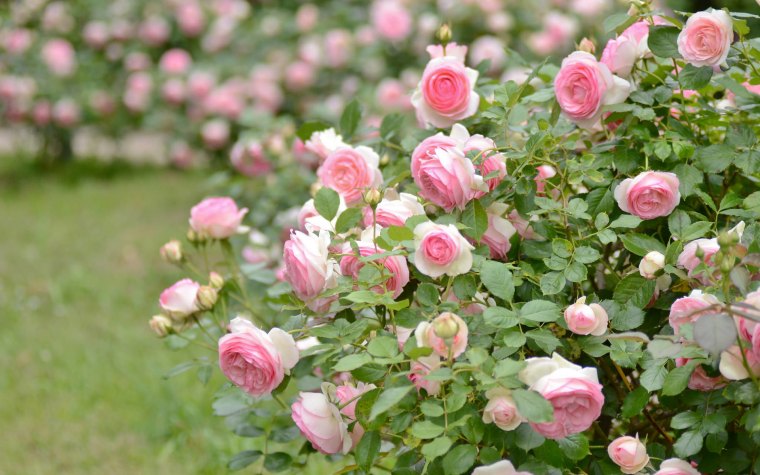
[635,402]
[641,244]
[692,77]
[677,380]
[533,406]
[243,459]
[497,279]
[348,219]
[426,430]
[349,120]
[387,399]
[436,448]
[367,449]
[327,202]
[476,220]
[662,41]
[459,459]
[541,311]
[688,444]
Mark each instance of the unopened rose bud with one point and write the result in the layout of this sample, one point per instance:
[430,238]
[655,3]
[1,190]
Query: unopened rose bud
[215,280]
[727,264]
[651,264]
[587,45]
[385,160]
[171,252]
[206,297]
[725,240]
[161,325]
[372,197]
[445,326]
[192,236]
[444,34]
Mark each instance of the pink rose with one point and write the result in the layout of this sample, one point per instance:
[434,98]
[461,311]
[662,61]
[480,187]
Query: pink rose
[307,17]
[392,95]
[584,86]
[17,40]
[545,172]
[395,209]
[200,84]
[174,91]
[585,319]
[501,410]
[574,393]
[175,61]
[395,266]
[179,300]
[688,258]
[348,392]
[491,161]
[699,380]
[558,32]
[451,49]
[96,34]
[499,232]
[308,267]
[321,423]
[488,48]
[66,112]
[215,133]
[338,47]
[299,75]
[689,309]
[324,142]
[255,361]
[620,55]
[59,56]
[502,467]
[731,364]
[217,218]
[446,93]
[190,18]
[391,20]
[649,195]
[420,368]
[447,178]
[248,158]
[629,454]
[427,148]
[651,264]
[351,171]
[706,38]
[446,333]
[676,467]
[441,249]
[155,31]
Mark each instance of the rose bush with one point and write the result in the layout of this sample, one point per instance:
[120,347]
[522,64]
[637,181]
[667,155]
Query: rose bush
[585,303]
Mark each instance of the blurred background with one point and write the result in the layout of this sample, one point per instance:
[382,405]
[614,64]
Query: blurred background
[116,117]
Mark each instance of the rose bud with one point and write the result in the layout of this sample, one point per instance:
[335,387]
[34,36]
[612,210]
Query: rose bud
[501,410]
[171,252]
[207,297]
[676,467]
[651,264]
[453,329]
[215,280]
[161,325]
[587,45]
[372,197]
[179,301]
[585,319]
[629,454]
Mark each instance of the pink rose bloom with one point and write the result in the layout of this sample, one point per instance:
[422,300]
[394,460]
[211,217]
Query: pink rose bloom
[558,32]
[584,86]
[688,258]
[420,368]
[545,172]
[136,61]
[338,47]
[619,55]
[215,133]
[395,266]
[299,75]
[226,101]
[574,392]
[248,158]
[391,20]
[676,467]
[395,209]
[392,95]
[42,113]
[96,34]
[175,61]
[426,150]
[66,112]
[446,93]
[155,31]
[324,142]
[190,18]
[452,49]
[255,361]
[348,392]
[174,91]
[651,264]
[441,249]
[732,363]
[200,84]
[59,56]
[706,38]
[649,195]
[446,333]
[585,319]
[217,218]
[502,467]
[307,17]
[689,309]
[589,8]
[699,380]
[17,40]
[491,161]
[447,178]
[499,232]
[501,410]
[308,267]
[522,225]
[351,171]
[488,48]
[321,423]
[254,256]
[629,454]
[179,300]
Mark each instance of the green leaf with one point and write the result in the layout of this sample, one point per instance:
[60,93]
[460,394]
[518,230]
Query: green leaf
[545,339]
[476,220]
[383,347]
[351,362]
[586,255]
[327,202]
[348,219]
[576,272]
[540,311]
[367,449]
[369,373]
[426,430]
[641,244]
[688,444]
[684,420]
[714,158]
[498,279]
[427,295]
[465,286]
[635,290]
[692,77]
[349,120]
[391,125]
[677,222]
[500,317]
[277,461]
[400,233]
[695,230]
[533,406]
[677,380]
[243,459]
[459,460]
[387,399]
[552,283]
[663,41]
[635,402]
[575,447]
[653,378]
[612,22]
[626,221]
[436,448]
[307,129]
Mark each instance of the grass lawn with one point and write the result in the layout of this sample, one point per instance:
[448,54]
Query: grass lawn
[80,387]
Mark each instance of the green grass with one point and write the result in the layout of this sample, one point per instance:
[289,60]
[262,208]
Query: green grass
[81,388]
